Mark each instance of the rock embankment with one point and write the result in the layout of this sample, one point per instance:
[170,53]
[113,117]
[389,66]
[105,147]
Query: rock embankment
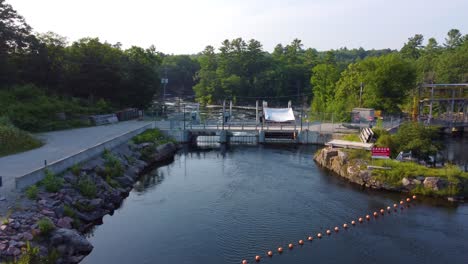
[357,171]
[77,205]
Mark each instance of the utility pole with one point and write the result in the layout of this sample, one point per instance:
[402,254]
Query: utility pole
[360,94]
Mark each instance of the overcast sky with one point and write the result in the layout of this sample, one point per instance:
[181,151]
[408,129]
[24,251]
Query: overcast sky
[187,26]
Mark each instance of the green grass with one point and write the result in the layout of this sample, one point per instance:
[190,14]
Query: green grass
[14,140]
[352,137]
[152,136]
[51,182]
[87,187]
[32,191]
[400,170]
[76,169]
[45,226]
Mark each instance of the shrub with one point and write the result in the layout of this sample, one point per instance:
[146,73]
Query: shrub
[14,140]
[51,182]
[87,187]
[68,211]
[152,136]
[76,169]
[32,191]
[112,165]
[45,225]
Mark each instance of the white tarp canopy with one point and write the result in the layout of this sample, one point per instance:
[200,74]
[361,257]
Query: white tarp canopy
[278,114]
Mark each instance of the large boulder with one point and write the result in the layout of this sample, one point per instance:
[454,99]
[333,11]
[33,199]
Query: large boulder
[435,183]
[71,244]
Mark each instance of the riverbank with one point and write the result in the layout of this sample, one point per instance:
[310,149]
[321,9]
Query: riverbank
[355,165]
[50,221]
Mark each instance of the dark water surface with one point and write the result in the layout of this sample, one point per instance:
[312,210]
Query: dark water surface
[221,207]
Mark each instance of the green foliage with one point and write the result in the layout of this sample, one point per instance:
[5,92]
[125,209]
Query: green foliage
[324,78]
[45,226]
[401,170]
[51,182]
[112,165]
[417,138]
[358,154]
[113,183]
[152,136]
[387,81]
[14,140]
[84,207]
[87,187]
[68,211]
[76,169]
[32,191]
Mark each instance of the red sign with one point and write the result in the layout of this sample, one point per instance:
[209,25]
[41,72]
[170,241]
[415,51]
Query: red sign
[380,153]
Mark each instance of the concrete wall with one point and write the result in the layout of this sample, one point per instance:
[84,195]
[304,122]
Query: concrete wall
[313,137]
[65,163]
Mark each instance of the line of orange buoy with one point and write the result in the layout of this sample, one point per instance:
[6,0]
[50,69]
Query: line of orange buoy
[336,229]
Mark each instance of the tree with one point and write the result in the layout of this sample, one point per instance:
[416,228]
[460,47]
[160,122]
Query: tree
[387,81]
[418,139]
[452,65]
[412,48]
[16,40]
[454,39]
[181,70]
[323,81]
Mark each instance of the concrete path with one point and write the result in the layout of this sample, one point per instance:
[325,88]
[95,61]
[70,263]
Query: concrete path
[58,145]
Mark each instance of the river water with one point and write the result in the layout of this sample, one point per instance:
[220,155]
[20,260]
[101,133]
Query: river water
[222,206]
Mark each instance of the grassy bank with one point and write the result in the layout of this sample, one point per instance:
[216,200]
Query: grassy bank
[14,140]
[399,170]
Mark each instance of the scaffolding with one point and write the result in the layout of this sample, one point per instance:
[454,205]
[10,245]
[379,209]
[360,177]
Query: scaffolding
[443,104]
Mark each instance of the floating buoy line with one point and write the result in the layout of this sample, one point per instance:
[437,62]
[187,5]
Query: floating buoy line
[337,229]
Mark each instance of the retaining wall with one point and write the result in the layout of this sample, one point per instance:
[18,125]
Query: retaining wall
[67,162]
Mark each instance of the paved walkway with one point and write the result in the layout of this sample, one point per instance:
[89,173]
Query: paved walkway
[59,144]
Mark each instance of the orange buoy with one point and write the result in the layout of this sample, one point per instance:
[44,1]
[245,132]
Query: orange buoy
[388,208]
[375,214]
[408,200]
[280,250]
[301,242]
[395,205]
[414,197]
[328,232]
[257,258]
[310,238]
[367,217]
[244,261]
[401,202]
[382,211]
[336,229]
[360,219]
[270,253]
[345,225]
[319,235]
[290,246]
[353,222]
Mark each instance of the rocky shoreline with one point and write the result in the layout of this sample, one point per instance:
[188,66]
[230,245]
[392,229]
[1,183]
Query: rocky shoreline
[72,213]
[357,171]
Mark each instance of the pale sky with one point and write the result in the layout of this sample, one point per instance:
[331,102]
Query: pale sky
[187,26]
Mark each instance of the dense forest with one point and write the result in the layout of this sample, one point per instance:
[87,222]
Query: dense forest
[43,74]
